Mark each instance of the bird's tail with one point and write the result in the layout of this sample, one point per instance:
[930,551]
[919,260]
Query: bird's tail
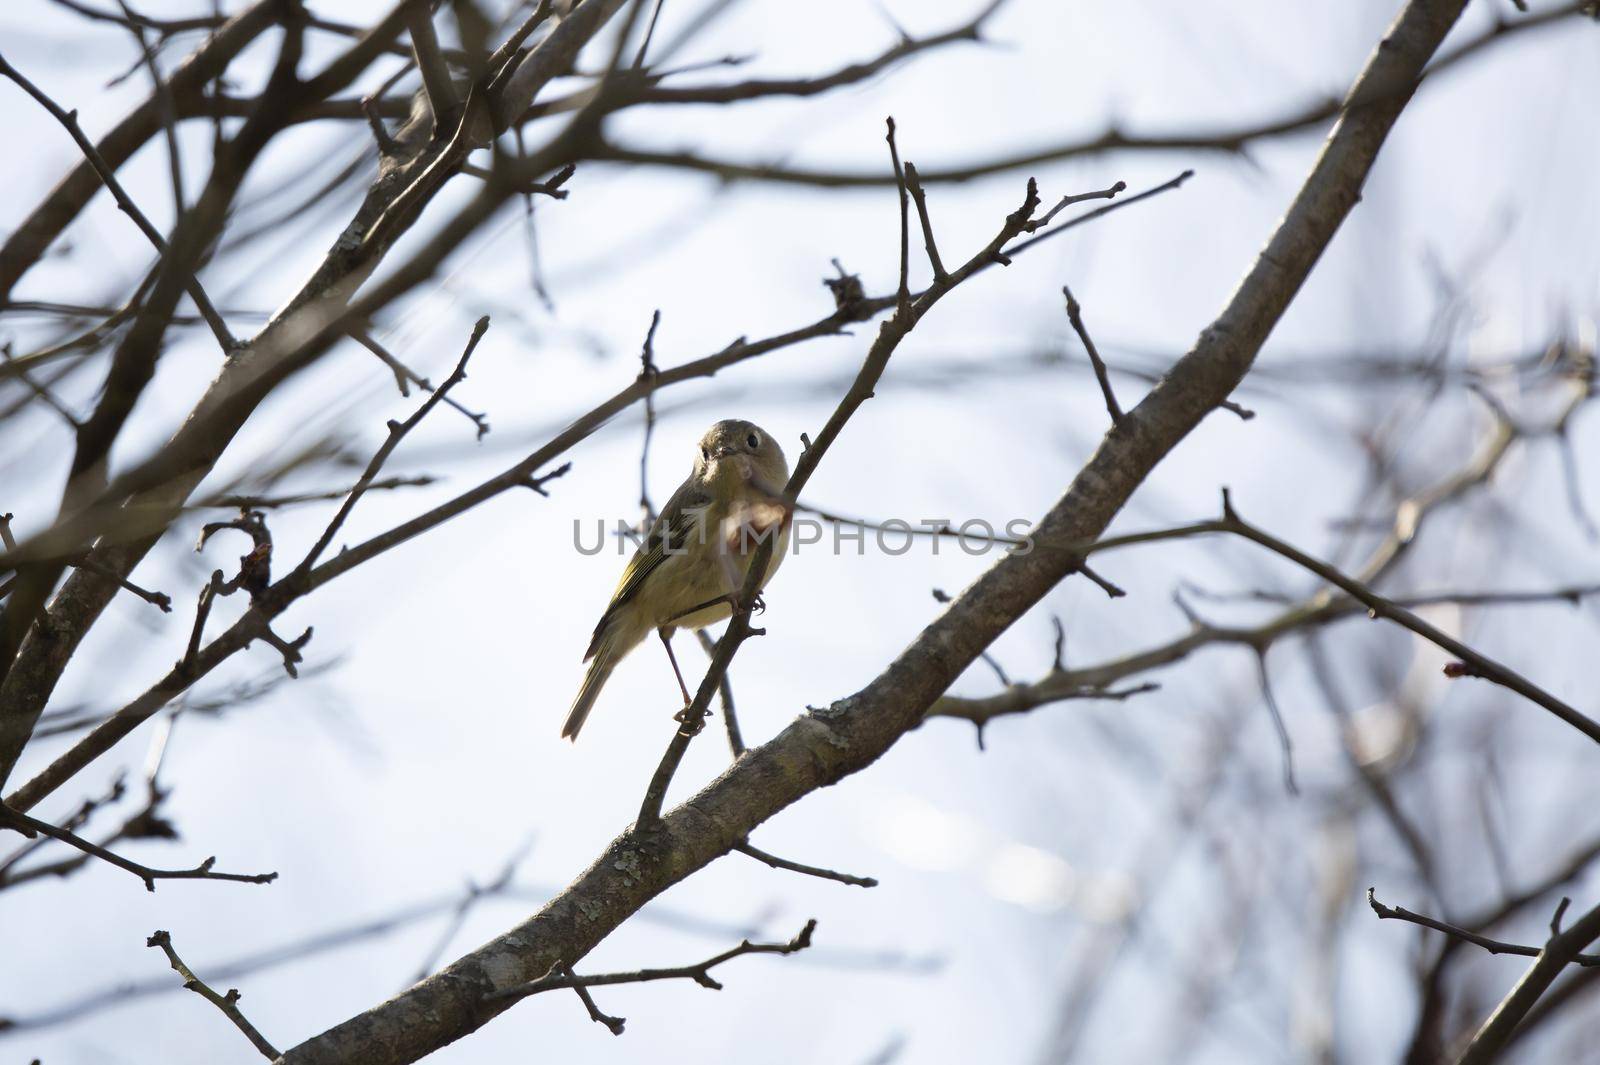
[599,671]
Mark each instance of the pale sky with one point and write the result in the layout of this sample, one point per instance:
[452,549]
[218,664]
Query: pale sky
[431,752]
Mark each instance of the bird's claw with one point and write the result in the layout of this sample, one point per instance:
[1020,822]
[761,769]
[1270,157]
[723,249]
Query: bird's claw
[758,605]
[692,723]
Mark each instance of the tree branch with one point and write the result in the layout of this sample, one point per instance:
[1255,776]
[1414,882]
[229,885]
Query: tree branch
[228,1004]
[700,974]
[1559,951]
[1227,139]
[21,822]
[1075,316]
[441,91]
[774,862]
[1466,935]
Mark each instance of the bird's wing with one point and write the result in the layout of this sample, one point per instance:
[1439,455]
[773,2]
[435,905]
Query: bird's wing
[671,531]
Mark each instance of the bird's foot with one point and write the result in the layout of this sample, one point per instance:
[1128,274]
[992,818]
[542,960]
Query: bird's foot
[758,605]
[692,723]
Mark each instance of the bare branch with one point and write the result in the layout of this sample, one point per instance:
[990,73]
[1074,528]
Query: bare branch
[1075,316]
[1559,951]
[1081,197]
[1481,664]
[21,822]
[648,372]
[262,502]
[442,100]
[160,600]
[774,862]
[1227,139]
[730,717]
[397,433]
[700,974]
[228,1004]
[903,293]
[921,198]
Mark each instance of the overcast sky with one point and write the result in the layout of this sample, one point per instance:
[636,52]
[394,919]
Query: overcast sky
[430,754]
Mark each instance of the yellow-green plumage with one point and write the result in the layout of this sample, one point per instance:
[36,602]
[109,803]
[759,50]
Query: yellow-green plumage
[697,552]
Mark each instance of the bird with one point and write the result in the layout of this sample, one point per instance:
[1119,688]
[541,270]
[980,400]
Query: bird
[689,568]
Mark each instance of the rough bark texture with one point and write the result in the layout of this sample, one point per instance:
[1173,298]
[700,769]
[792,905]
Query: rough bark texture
[826,745]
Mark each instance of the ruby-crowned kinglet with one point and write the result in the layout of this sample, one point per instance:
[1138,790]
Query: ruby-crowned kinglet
[695,557]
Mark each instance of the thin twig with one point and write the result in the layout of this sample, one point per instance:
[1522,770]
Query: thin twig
[1080,197]
[504,60]
[228,1004]
[436,83]
[1100,212]
[773,861]
[164,101]
[21,821]
[397,432]
[20,372]
[730,717]
[403,375]
[914,183]
[1493,946]
[903,293]
[615,1024]
[1075,316]
[647,375]
[1378,606]
[1285,744]
[475,893]
[649,32]
[700,974]
[249,502]
[157,599]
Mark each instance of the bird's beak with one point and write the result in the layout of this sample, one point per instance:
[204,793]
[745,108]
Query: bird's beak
[724,451]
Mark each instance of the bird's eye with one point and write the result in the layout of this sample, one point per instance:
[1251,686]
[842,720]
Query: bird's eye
[705,453]
[754,440]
